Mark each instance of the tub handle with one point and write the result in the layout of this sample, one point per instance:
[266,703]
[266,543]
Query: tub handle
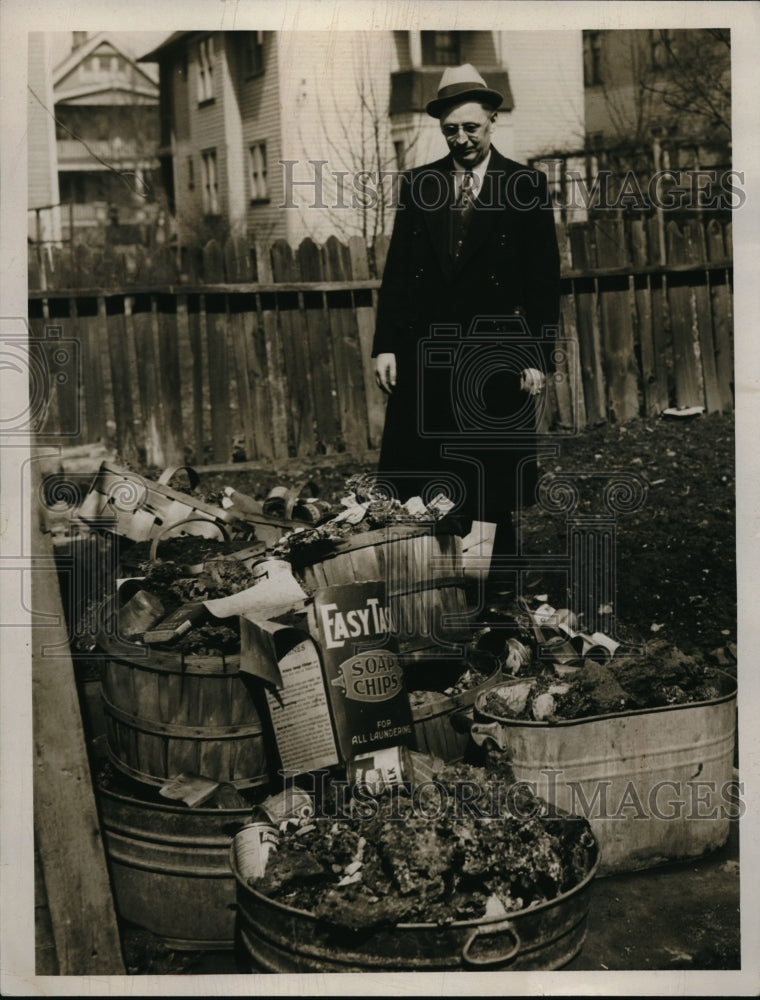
[482,731]
[222,528]
[487,930]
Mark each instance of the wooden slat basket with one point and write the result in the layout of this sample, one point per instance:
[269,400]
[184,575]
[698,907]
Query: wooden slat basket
[441,725]
[167,714]
[423,572]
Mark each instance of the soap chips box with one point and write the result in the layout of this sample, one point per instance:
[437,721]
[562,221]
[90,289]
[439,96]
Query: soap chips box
[364,678]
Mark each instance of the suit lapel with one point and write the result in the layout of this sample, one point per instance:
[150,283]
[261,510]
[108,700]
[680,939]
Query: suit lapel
[487,211]
[436,193]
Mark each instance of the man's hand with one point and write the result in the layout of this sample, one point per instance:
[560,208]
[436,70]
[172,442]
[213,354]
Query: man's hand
[532,381]
[385,371]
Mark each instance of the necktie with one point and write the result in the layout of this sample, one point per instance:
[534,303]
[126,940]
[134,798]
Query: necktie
[466,192]
[461,213]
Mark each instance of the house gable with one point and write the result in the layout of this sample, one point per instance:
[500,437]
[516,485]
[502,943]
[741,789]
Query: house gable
[102,72]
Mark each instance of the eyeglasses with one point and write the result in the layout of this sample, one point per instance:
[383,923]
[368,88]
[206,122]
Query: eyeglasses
[470,128]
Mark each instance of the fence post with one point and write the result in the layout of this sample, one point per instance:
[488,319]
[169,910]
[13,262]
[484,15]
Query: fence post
[720,302]
[320,349]
[703,317]
[145,330]
[654,377]
[686,367]
[292,331]
[585,293]
[164,271]
[365,319]
[617,325]
[216,346]
[118,353]
[346,351]
[239,270]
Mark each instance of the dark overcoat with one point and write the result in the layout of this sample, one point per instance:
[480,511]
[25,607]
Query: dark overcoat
[462,330]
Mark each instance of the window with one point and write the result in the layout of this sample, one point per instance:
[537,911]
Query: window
[592,59]
[253,53]
[190,174]
[210,186]
[399,148]
[257,171]
[206,70]
[440,48]
[90,66]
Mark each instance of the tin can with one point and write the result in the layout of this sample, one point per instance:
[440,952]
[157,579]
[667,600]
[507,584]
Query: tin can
[312,511]
[253,845]
[517,656]
[597,646]
[604,644]
[382,769]
[290,803]
[140,612]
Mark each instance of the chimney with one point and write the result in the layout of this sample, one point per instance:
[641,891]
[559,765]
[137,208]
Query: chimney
[78,39]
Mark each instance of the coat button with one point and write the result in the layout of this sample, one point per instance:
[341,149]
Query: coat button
[494,280]
[419,272]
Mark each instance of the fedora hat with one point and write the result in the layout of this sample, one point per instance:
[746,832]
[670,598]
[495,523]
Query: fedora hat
[462,83]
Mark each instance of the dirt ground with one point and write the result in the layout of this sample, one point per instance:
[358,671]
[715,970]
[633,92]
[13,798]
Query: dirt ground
[676,553]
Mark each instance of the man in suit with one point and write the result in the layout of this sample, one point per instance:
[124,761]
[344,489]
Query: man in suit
[469,295]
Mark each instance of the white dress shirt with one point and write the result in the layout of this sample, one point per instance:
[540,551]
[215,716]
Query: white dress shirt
[477,173]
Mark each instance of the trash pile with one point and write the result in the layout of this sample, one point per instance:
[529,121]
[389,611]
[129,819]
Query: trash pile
[403,858]
[569,674]
[239,581]
[470,680]
[365,507]
[256,639]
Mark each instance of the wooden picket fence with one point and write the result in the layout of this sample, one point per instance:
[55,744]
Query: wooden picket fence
[265,353]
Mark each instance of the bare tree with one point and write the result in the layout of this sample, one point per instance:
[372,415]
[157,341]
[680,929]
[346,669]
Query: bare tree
[676,83]
[694,84]
[360,146]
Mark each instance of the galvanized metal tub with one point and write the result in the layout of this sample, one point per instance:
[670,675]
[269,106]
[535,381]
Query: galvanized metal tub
[169,868]
[279,938]
[637,776]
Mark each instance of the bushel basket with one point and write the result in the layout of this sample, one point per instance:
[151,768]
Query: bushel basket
[421,568]
[167,714]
